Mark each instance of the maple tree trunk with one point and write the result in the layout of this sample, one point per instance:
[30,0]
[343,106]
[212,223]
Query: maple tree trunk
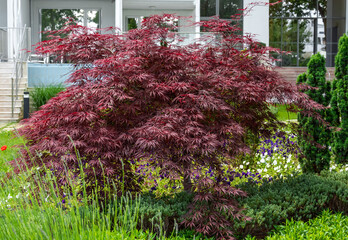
[187,183]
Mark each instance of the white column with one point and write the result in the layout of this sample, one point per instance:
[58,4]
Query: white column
[11,24]
[197,14]
[119,15]
[257,21]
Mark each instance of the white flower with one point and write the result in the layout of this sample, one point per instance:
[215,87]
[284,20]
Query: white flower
[298,167]
[247,163]
[47,198]
[241,166]
[18,195]
[286,166]
[275,162]
[25,187]
[262,160]
[259,170]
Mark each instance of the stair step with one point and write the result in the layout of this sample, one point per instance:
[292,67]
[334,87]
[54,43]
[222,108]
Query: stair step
[7,65]
[8,120]
[8,79]
[9,104]
[9,90]
[6,75]
[9,85]
[8,108]
[8,97]
[6,70]
[9,115]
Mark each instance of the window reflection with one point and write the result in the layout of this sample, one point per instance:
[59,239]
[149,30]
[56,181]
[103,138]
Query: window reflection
[313,26]
[54,19]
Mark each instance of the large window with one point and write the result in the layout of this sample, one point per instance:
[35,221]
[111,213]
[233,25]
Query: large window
[305,27]
[222,8]
[53,19]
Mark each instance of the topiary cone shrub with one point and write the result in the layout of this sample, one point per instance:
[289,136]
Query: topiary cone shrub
[140,95]
[314,137]
[339,102]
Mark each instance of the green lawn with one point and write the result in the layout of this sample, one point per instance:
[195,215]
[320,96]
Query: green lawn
[283,114]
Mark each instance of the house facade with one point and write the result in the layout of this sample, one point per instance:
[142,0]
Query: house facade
[312,27]
[20,14]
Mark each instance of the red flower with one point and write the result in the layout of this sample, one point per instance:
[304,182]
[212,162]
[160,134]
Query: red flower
[3,148]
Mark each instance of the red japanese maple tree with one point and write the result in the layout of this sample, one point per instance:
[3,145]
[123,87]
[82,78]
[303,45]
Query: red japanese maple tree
[141,94]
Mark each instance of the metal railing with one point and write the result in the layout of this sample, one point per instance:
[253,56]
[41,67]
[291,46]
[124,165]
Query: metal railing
[14,43]
[14,46]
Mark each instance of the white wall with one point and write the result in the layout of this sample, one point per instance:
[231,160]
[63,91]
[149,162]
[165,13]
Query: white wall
[3,13]
[257,21]
[107,8]
[25,13]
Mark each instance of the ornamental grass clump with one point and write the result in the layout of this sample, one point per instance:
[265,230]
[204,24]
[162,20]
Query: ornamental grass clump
[41,94]
[139,95]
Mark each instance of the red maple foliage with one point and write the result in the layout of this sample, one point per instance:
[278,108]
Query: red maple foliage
[140,94]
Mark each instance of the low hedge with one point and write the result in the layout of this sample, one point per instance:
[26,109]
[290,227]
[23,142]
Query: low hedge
[300,198]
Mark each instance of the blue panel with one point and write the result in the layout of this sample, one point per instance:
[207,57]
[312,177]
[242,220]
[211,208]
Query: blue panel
[48,74]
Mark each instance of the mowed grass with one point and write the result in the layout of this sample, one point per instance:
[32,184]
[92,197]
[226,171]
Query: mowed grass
[283,114]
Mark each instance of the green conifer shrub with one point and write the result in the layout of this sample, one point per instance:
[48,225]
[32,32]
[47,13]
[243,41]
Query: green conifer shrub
[314,137]
[339,102]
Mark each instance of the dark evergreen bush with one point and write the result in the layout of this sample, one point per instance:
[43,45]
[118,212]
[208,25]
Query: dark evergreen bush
[337,176]
[314,137]
[163,213]
[339,102]
[300,197]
